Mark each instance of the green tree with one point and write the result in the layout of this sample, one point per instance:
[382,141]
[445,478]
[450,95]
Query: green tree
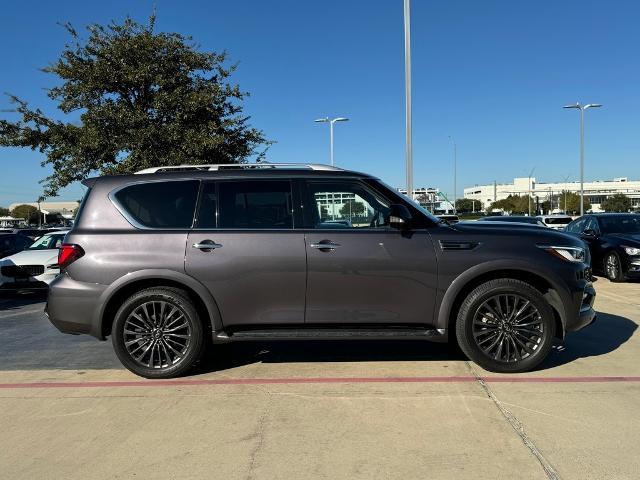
[351,207]
[617,203]
[465,205]
[135,98]
[28,212]
[4,212]
[515,204]
[573,203]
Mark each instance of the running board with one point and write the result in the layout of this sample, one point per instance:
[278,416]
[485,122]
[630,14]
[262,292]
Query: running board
[332,334]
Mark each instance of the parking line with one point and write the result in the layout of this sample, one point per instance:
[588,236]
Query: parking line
[317,380]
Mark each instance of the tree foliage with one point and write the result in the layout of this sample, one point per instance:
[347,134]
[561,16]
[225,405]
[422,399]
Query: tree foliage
[133,99]
[4,212]
[465,205]
[515,204]
[351,207]
[28,212]
[573,203]
[617,203]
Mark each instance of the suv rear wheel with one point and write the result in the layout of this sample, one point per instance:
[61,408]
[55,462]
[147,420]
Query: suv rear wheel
[505,326]
[157,333]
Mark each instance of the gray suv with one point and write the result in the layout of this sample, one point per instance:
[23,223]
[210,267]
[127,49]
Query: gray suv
[174,259]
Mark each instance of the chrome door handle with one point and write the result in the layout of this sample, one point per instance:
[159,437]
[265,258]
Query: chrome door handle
[324,245]
[206,245]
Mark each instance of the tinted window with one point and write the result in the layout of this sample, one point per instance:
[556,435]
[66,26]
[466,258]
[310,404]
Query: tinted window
[341,205]
[255,205]
[208,210]
[160,204]
[620,223]
[557,221]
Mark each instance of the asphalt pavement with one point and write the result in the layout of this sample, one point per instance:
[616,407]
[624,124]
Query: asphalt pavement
[327,410]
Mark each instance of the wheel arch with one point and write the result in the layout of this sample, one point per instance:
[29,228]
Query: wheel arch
[469,280]
[113,297]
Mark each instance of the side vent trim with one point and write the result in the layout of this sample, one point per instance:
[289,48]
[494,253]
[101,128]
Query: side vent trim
[457,245]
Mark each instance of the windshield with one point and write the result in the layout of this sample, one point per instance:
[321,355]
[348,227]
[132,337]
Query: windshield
[620,224]
[558,221]
[52,240]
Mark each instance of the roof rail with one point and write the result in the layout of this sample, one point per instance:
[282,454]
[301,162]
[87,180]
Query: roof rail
[238,166]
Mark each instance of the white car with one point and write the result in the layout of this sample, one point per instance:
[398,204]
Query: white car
[557,222]
[33,268]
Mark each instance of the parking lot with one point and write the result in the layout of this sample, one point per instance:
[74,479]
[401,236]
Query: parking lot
[321,410]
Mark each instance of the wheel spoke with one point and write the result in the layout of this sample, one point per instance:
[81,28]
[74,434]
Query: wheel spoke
[157,334]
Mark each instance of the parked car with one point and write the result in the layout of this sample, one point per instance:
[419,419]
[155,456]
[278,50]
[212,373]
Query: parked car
[170,259]
[33,268]
[614,242]
[514,218]
[557,222]
[11,243]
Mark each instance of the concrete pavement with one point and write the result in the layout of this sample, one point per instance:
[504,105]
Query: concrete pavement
[373,410]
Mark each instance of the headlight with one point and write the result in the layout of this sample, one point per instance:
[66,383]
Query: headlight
[632,250]
[570,254]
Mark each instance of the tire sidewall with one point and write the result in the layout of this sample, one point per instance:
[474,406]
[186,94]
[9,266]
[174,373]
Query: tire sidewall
[173,298]
[464,325]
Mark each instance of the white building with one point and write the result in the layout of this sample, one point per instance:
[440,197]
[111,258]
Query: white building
[65,209]
[596,192]
[431,198]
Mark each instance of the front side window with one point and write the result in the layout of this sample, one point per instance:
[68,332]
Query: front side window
[159,204]
[347,205]
[577,226]
[253,205]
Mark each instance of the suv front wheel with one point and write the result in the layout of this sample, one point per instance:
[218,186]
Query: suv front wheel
[157,333]
[505,326]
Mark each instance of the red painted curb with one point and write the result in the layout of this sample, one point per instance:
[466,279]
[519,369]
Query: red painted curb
[318,380]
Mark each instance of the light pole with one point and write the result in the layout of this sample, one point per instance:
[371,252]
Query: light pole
[455,174]
[529,199]
[331,122]
[582,108]
[407,92]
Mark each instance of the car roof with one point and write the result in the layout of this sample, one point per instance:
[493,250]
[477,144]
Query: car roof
[282,172]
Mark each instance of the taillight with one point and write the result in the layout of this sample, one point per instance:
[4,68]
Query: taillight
[69,253]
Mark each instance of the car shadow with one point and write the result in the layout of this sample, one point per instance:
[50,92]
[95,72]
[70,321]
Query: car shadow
[16,299]
[604,336]
[226,356]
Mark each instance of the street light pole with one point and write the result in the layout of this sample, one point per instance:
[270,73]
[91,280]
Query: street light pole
[407,91]
[582,108]
[331,122]
[455,174]
[529,199]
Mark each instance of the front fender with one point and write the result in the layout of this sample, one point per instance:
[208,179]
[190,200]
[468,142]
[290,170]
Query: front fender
[561,299]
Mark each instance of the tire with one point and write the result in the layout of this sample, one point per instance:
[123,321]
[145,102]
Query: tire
[162,325]
[612,267]
[522,342]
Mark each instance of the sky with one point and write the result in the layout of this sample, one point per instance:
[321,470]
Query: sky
[492,74]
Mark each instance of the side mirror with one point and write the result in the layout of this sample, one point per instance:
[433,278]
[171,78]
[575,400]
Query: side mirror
[589,232]
[399,216]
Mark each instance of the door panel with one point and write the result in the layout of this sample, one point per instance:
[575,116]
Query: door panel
[371,277]
[256,278]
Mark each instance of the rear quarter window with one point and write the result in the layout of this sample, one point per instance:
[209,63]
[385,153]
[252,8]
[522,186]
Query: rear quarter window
[158,204]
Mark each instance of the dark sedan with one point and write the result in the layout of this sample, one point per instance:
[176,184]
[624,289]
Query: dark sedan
[11,243]
[614,242]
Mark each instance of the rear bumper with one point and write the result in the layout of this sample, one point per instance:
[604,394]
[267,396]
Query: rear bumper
[71,306]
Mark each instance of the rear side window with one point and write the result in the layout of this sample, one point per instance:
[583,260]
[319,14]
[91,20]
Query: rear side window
[159,204]
[252,205]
